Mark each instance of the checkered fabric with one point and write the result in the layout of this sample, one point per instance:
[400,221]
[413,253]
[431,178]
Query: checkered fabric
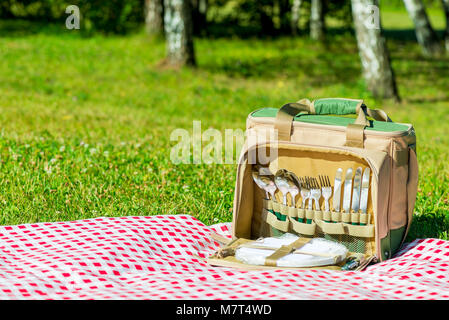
[161,257]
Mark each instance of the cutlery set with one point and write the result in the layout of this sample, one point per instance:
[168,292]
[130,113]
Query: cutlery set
[358,187]
[352,192]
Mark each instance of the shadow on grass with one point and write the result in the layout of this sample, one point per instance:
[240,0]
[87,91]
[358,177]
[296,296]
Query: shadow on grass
[406,35]
[319,70]
[329,62]
[233,30]
[15,28]
[332,62]
[429,99]
[24,28]
[429,225]
[335,61]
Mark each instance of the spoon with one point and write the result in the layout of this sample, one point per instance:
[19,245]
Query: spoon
[264,180]
[282,184]
[293,186]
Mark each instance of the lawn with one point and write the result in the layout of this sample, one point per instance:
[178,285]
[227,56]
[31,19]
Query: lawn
[86,122]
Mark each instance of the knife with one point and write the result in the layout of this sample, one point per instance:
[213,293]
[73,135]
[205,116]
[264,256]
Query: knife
[356,191]
[337,190]
[364,193]
[347,191]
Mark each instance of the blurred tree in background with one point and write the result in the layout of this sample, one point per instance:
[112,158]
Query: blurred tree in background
[179,20]
[373,52]
[255,17]
[296,6]
[317,20]
[445,4]
[154,16]
[424,32]
[179,32]
[211,17]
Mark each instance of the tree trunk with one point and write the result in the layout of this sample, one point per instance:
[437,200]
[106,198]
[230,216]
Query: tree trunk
[266,19]
[373,50]
[446,33]
[295,16]
[317,20]
[284,8]
[202,9]
[425,35]
[199,12]
[154,16]
[179,32]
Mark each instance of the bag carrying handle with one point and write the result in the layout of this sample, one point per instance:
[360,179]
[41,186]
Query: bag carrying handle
[337,106]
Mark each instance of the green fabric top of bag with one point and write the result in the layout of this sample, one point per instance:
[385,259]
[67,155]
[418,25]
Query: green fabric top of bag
[336,106]
[333,120]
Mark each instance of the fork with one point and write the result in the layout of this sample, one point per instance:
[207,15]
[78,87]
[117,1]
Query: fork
[305,193]
[305,190]
[326,191]
[315,193]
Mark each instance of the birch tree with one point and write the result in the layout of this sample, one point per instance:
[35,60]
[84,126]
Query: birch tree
[154,19]
[445,4]
[425,34]
[179,32]
[373,50]
[296,6]
[317,20]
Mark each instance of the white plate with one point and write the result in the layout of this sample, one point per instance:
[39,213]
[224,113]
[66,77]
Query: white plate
[257,257]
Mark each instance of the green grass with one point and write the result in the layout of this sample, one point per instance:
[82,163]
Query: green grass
[396,18]
[86,122]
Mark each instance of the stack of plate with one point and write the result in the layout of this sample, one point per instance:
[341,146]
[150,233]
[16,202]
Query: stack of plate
[328,252]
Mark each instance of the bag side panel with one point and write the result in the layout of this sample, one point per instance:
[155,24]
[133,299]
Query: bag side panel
[398,215]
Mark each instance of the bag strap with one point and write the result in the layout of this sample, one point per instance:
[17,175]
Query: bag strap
[219,238]
[272,259]
[285,116]
[337,106]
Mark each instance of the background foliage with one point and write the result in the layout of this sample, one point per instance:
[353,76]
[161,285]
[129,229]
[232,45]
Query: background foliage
[258,17]
[111,16]
[255,17]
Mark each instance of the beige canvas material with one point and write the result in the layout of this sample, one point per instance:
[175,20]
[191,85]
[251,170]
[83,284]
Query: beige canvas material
[284,118]
[300,160]
[219,238]
[231,261]
[354,135]
[296,251]
[302,228]
[272,220]
[272,259]
[322,148]
[412,188]
[287,112]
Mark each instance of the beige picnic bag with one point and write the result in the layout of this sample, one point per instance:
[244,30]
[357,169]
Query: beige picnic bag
[317,138]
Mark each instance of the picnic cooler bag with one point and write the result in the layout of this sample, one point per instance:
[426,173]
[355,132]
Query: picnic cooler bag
[318,138]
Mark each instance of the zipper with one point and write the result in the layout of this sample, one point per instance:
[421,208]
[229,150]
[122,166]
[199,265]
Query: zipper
[270,121]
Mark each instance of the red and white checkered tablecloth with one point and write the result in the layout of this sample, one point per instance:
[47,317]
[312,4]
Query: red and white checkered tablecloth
[160,257]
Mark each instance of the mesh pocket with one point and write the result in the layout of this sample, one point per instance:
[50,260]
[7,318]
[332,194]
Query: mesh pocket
[354,244]
[312,224]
